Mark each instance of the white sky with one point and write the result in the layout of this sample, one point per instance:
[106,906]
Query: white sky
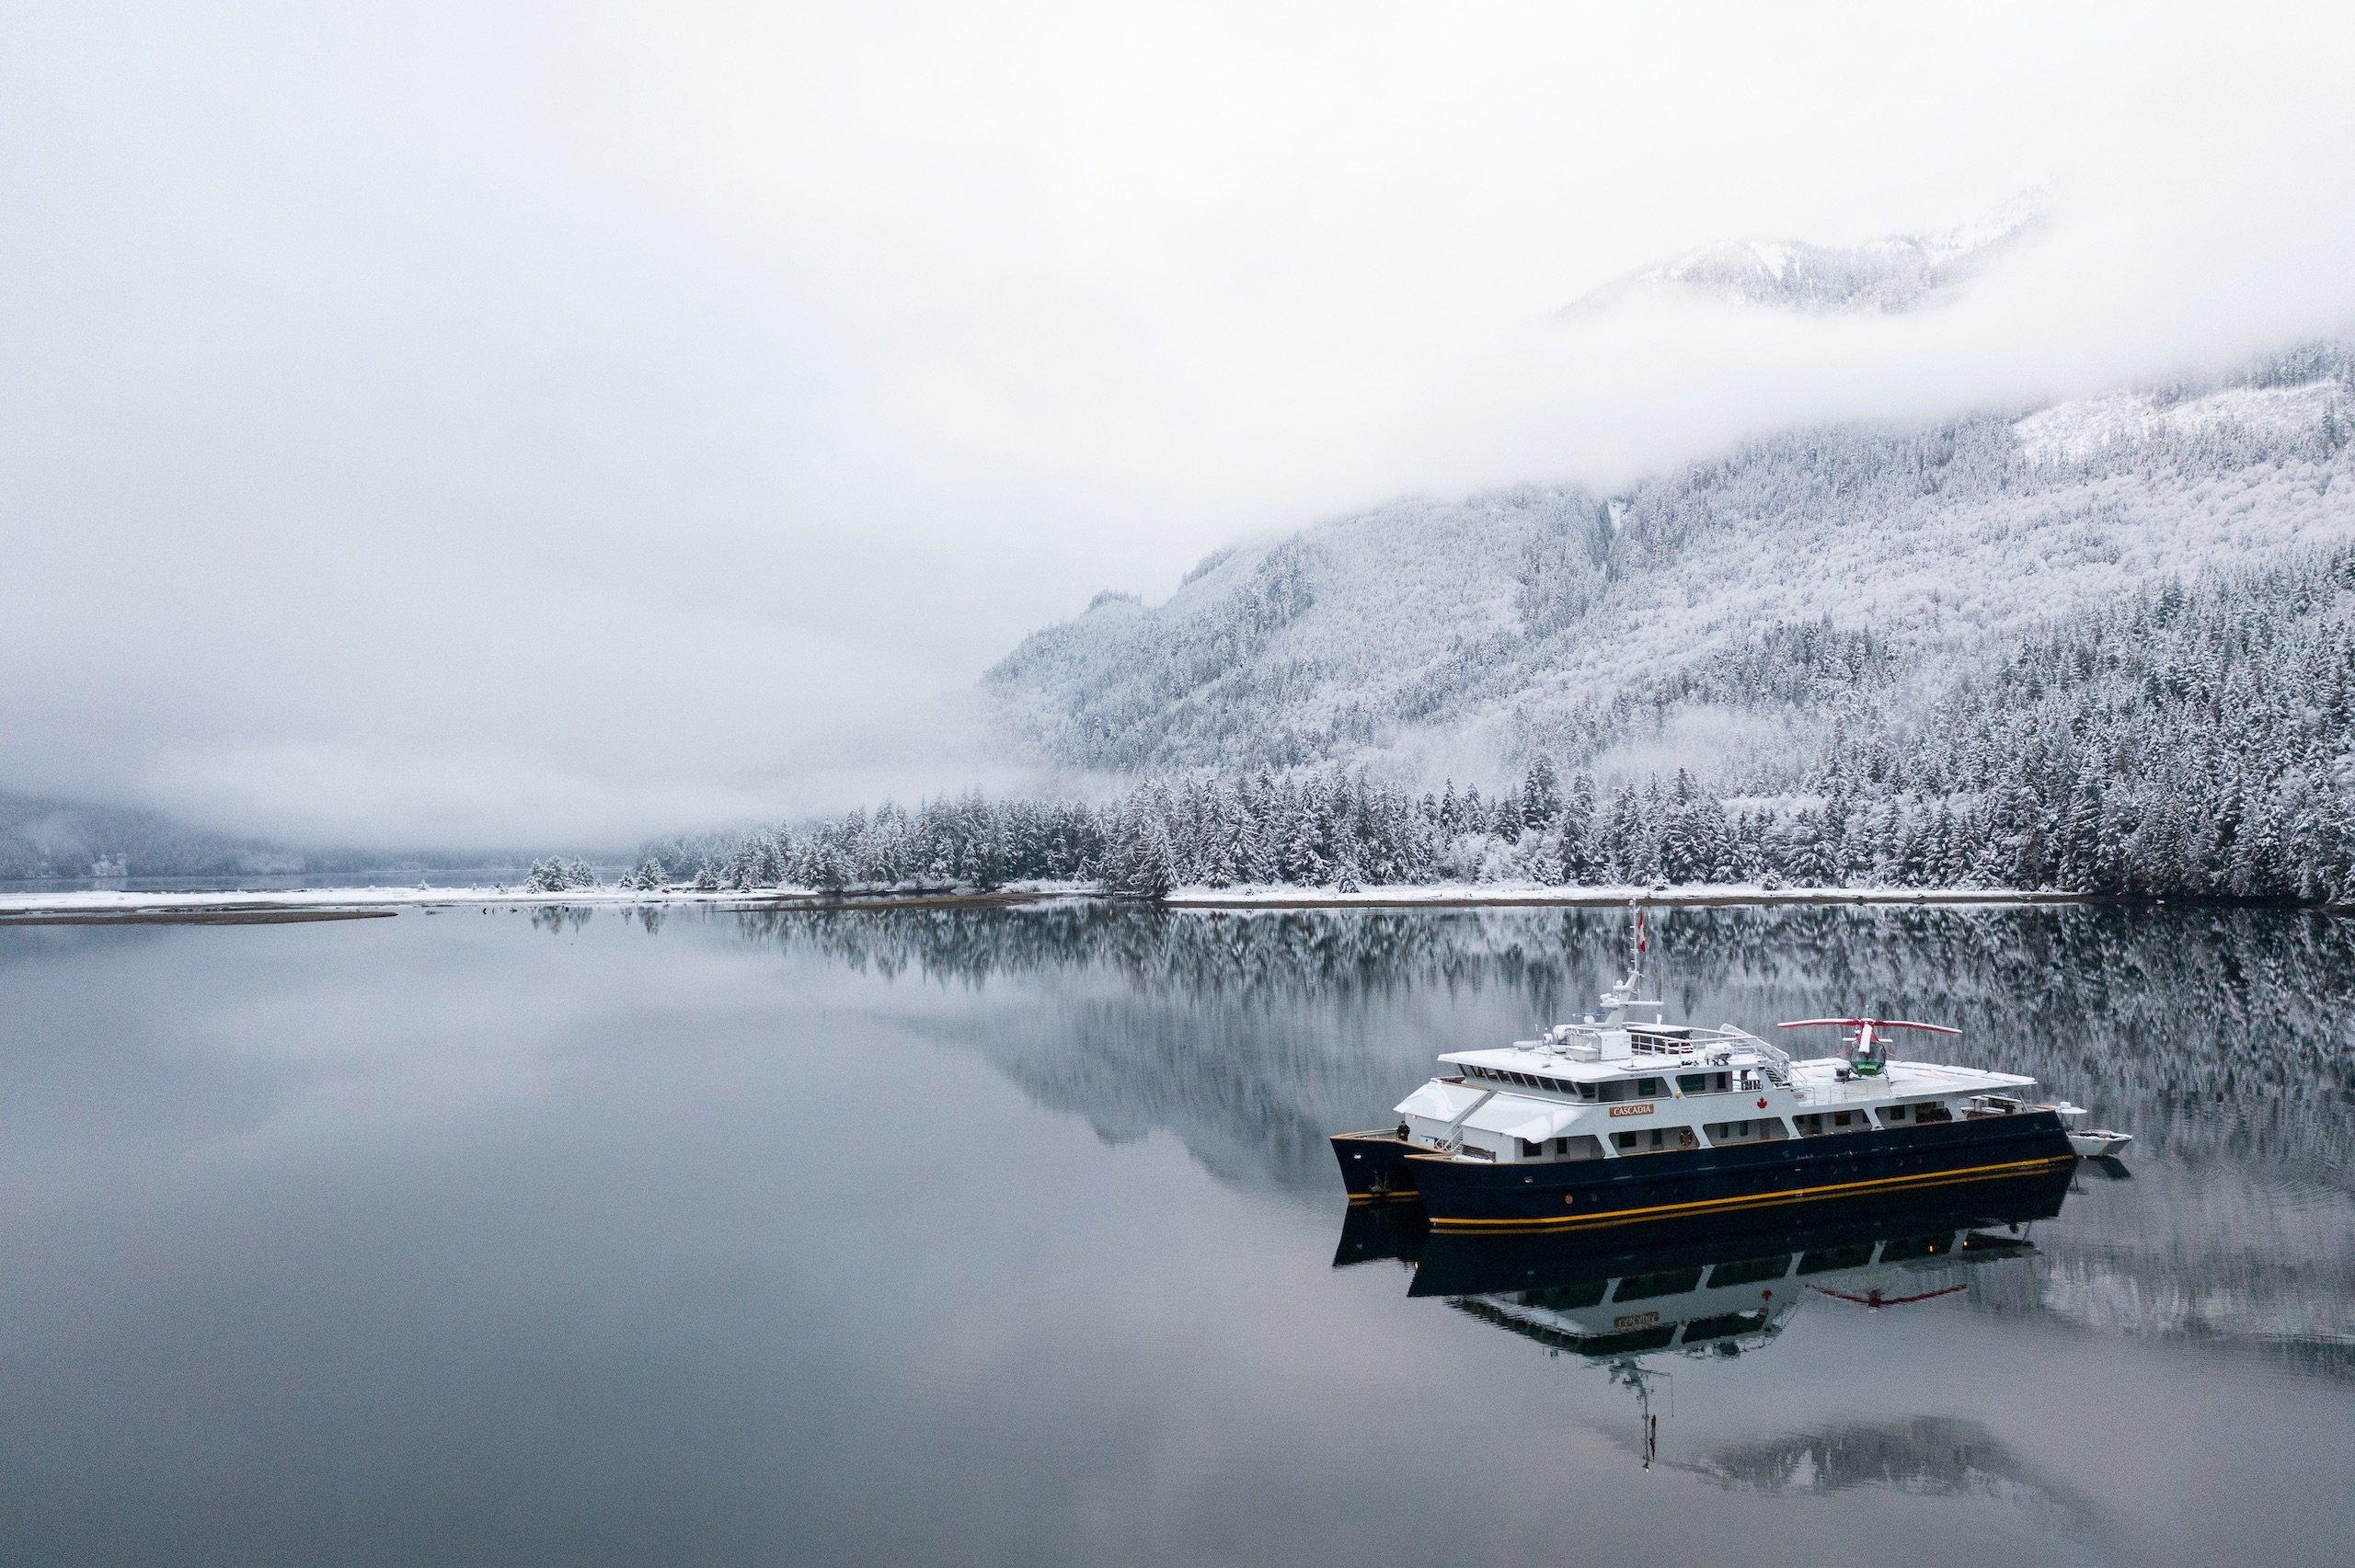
[551,423]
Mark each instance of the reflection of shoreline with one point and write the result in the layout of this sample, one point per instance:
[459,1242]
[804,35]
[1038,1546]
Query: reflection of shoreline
[1249,1035]
[93,906]
[2216,1035]
[1505,895]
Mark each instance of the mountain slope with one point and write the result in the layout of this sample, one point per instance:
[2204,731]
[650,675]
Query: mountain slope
[1723,617]
[44,836]
[1889,274]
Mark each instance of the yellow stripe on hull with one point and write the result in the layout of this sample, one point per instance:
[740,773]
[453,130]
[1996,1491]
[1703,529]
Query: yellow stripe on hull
[1758,1201]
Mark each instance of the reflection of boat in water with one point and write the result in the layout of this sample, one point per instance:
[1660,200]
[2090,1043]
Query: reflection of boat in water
[1627,1308]
[1621,1119]
[1453,1265]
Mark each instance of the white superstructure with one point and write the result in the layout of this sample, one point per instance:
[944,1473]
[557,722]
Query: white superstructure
[1621,1083]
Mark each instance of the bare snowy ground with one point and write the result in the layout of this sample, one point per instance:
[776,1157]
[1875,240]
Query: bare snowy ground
[102,903]
[290,903]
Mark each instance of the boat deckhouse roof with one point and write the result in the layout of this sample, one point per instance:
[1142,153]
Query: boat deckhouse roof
[1625,1073]
[1816,1078]
[1511,1090]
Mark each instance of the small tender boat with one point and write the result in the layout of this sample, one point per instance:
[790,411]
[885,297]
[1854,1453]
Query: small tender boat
[2098,1143]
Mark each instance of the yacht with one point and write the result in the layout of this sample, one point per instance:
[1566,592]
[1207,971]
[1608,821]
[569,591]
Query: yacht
[1621,1118]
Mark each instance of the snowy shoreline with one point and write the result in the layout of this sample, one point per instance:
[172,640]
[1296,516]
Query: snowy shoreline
[1509,895]
[101,905]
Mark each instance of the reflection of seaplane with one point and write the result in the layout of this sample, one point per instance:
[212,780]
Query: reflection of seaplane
[1629,1309]
[1621,1119]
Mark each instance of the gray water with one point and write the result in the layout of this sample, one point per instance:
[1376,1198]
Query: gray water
[1011,1236]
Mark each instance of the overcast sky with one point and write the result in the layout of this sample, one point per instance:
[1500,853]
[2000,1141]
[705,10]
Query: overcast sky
[549,423]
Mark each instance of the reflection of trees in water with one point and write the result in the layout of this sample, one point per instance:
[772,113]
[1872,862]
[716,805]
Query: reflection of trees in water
[2209,1033]
[1927,1456]
[2218,1037]
[2223,1254]
[1270,955]
[1251,1037]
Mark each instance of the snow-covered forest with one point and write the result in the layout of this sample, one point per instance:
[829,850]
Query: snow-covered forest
[2106,646]
[2187,741]
[43,837]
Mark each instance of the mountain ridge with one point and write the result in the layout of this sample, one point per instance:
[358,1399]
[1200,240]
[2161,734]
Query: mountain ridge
[1889,274]
[1718,615]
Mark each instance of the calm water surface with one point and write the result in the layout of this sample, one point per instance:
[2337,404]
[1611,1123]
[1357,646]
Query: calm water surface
[1011,1236]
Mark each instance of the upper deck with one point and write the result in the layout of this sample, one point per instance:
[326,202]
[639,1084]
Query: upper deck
[1615,1083]
[1728,1061]
[1622,1081]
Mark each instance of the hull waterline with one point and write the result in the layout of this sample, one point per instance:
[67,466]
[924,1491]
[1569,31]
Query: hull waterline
[1698,1190]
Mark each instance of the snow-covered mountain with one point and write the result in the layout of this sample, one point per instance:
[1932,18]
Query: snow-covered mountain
[1731,616]
[47,837]
[1889,273]
[50,837]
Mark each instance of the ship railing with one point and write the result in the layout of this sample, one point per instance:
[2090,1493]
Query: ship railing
[1641,1042]
[1773,1060]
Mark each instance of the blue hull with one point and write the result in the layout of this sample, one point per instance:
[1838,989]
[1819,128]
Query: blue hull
[1469,1262]
[1703,1188]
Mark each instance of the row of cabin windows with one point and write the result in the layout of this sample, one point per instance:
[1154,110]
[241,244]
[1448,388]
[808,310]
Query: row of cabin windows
[1656,1138]
[1753,1129]
[1579,1147]
[1525,1080]
[1611,1091]
[1817,1122]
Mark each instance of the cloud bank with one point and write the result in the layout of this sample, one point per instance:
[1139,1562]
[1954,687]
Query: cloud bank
[562,423]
